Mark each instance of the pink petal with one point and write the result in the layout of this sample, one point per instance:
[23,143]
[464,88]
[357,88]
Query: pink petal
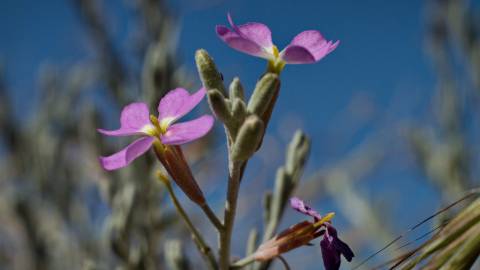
[303,208]
[188,131]
[239,43]
[307,47]
[258,33]
[251,38]
[126,155]
[133,118]
[177,103]
[297,55]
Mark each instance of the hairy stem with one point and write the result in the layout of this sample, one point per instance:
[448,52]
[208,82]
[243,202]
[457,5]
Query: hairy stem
[235,173]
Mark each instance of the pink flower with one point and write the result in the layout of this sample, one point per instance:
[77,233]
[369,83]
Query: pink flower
[135,120]
[164,134]
[256,39]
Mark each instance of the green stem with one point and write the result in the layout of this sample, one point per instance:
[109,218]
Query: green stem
[197,238]
[235,174]
[212,217]
[243,262]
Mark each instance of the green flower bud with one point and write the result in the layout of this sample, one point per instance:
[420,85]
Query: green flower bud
[236,90]
[211,78]
[218,105]
[297,152]
[248,138]
[264,92]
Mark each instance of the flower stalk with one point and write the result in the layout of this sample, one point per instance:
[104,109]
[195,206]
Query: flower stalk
[202,246]
[235,173]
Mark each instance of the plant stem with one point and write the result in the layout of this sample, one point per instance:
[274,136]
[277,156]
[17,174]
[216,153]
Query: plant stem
[197,238]
[212,217]
[235,174]
[243,262]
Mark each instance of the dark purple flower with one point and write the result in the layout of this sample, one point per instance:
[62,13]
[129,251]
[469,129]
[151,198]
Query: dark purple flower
[256,39]
[332,247]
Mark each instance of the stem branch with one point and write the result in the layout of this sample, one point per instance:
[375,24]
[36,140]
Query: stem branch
[243,262]
[197,238]
[212,217]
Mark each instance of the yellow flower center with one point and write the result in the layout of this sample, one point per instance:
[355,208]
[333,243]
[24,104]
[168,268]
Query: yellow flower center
[157,128]
[276,64]
[165,123]
[276,53]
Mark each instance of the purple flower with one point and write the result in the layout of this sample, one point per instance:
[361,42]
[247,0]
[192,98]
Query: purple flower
[332,247]
[301,207]
[256,39]
[164,134]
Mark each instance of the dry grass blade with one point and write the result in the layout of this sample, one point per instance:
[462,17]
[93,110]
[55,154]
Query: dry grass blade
[456,246]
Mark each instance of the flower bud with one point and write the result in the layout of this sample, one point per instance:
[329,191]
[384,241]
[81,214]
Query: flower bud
[219,105]
[297,153]
[248,138]
[211,78]
[264,93]
[239,110]
[236,90]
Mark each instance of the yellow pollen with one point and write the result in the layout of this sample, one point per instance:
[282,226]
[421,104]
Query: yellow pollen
[326,218]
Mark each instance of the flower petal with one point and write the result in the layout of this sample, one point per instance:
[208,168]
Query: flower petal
[293,54]
[330,255]
[177,103]
[339,245]
[258,33]
[126,155]
[301,207]
[343,248]
[307,47]
[251,38]
[239,43]
[188,131]
[133,119]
